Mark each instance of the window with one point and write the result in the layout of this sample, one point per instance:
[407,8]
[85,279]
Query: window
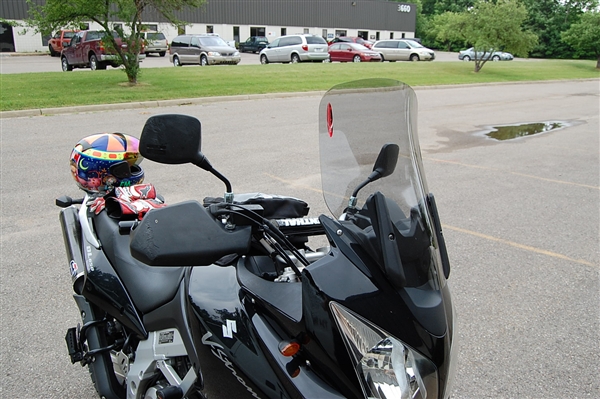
[290,41]
[387,44]
[257,31]
[403,45]
[391,35]
[209,29]
[306,31]
[150,36]
[236,33]
[152,27]
[315,40]
[181,41]
[339,33]
[275,43]
[283,31]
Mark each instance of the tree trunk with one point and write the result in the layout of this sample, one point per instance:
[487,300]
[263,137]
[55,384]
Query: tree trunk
[598,63]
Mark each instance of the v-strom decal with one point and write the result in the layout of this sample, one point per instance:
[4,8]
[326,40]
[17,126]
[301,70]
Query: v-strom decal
[217,350]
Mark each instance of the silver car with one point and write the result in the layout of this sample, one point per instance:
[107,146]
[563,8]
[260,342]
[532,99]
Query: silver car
[469,54]
[203,50]
[402,50]
[294,49]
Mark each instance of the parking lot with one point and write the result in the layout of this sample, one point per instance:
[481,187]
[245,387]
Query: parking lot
[15,63]
[521,221]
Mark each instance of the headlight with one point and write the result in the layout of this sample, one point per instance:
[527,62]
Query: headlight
[236,53]
[214,54]
[386,367]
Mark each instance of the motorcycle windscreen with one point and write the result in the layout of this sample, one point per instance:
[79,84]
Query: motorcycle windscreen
[355,120]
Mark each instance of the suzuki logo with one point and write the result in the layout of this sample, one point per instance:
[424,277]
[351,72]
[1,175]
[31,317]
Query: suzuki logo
[229,329]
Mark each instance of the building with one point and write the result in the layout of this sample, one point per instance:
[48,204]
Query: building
[239,19]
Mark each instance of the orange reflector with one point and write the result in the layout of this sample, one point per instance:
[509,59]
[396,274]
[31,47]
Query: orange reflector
[289,348]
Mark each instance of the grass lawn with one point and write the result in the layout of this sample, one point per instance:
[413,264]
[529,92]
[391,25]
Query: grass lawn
[59,89]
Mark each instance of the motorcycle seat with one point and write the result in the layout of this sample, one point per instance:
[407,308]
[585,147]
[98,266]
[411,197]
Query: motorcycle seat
[148,286]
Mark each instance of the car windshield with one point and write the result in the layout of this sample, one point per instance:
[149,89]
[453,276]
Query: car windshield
[358,47]
[414,44]
[69,35]
[212,41]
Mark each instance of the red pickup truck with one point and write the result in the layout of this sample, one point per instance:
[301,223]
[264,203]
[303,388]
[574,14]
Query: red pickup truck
[59,40]
[87,50]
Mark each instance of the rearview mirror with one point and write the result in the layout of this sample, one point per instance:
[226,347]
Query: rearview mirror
[171,139]
[386,160]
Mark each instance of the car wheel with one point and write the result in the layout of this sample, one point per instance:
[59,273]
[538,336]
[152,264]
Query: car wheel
[496,58]
[65,65]
[466,58]
[382,59]
[176,61]
[414,57]
[162,53]
[356,58]
[52,52]
[203,60]
[264,60]
[295,58]
[93,62]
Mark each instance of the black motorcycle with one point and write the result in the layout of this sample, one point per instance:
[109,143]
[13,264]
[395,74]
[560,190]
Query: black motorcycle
[194,296]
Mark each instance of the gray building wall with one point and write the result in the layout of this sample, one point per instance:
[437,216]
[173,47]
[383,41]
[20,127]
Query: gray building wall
[359,14]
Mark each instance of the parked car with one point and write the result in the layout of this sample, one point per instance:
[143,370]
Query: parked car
[60,39]
[254,44]
[403,50]
[469,54]
[352,52]
[294,49]
[352,39]
[87,50]
[155,42]
[203,50]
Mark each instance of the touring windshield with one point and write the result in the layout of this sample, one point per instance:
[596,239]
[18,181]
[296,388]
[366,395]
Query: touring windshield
[355,120]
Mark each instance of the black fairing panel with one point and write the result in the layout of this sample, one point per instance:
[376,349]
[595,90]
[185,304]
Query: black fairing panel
[217,305]
[371,295]
[104,288]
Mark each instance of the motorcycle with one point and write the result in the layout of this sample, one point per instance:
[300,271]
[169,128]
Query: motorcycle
[194,298]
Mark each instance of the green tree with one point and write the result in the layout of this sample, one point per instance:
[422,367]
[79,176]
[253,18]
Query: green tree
[446,30]
[492,26]
[584,36]
[111,15]
[549,18]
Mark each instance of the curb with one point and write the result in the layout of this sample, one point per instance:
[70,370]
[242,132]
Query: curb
[243,97]
[151,104]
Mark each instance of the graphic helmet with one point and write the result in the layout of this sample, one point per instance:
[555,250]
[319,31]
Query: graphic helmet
[103,161]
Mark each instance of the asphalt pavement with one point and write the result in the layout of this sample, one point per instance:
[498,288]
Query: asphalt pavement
[521,220]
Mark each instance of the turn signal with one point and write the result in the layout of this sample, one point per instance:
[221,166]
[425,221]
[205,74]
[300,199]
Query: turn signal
[289,348]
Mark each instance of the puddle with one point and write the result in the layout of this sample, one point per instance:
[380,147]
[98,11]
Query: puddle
[508,132]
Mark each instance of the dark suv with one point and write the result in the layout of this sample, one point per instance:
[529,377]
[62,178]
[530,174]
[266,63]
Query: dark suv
[203,50]
[254,44]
